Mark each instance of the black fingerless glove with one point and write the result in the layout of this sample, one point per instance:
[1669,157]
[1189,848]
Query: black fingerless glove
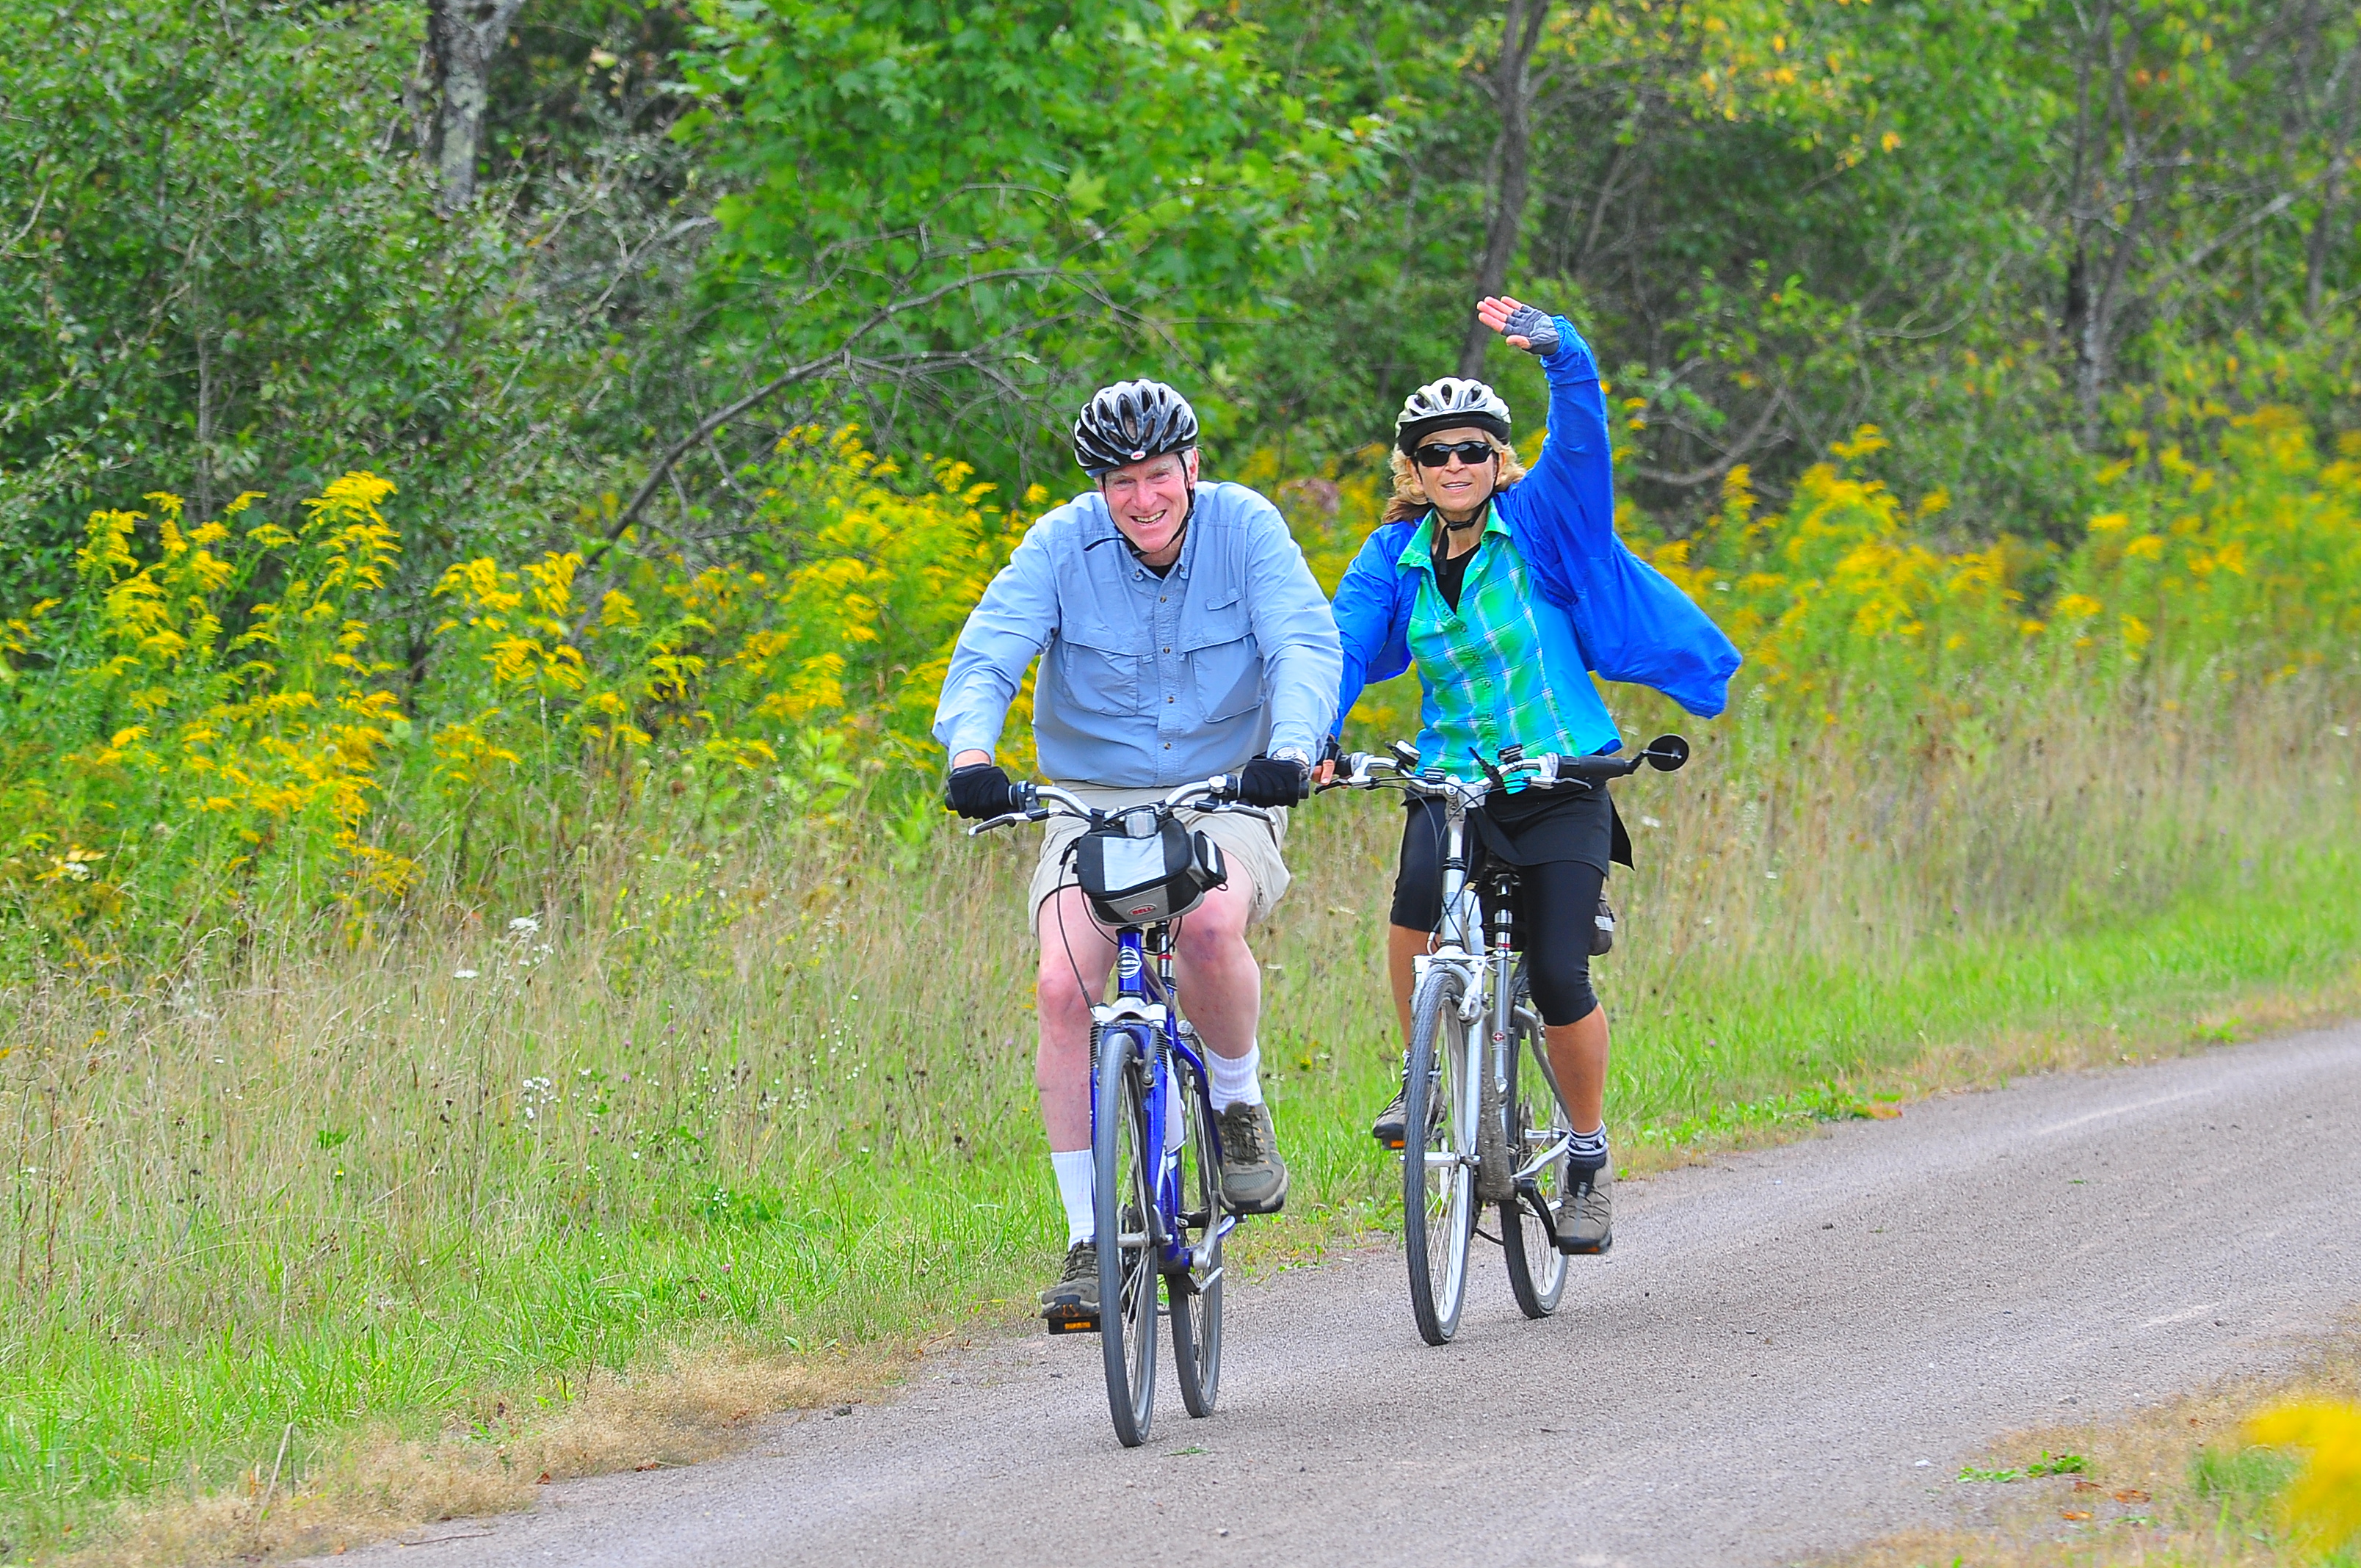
[1538,328]
[1270,781]
[980,791]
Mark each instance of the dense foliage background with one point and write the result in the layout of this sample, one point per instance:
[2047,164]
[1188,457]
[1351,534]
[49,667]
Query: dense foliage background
[486,492]
[565,278]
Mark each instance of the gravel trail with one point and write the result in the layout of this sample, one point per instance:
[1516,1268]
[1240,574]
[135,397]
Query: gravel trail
[1755,1375]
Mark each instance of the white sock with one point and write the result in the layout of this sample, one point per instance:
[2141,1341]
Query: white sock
[1074,1168]
[1237,1079]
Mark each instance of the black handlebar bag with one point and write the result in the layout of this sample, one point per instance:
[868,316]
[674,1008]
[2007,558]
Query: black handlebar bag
[1137,871]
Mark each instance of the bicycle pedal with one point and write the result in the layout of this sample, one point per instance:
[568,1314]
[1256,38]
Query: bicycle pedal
[1070,1320]
[1394,1145]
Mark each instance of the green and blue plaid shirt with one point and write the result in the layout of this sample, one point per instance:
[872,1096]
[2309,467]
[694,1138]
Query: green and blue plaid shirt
[1492,676]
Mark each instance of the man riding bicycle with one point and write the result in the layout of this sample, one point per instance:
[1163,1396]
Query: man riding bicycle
[1181,635]
[1504,589]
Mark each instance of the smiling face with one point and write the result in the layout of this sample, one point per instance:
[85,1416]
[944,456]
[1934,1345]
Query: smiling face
[1457,489]
[1150,503]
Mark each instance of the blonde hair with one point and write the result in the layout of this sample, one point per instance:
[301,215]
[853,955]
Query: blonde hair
[1410,499]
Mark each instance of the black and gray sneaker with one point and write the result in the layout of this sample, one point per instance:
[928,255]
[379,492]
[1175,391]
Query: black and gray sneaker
[1073,1300]
[1391,1130]
[1254,1179]
[1586,1219]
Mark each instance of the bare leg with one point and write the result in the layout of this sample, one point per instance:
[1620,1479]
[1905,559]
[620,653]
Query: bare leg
[1402,948]
[1075,956]
[1577,1054]
[1221,984]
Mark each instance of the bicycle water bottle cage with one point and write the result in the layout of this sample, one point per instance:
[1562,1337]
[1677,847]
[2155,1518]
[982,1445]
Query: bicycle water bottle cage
[1142,869]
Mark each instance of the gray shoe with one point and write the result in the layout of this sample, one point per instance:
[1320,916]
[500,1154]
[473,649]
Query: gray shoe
[1254,1179]
[1586,1219]
[1074,1299]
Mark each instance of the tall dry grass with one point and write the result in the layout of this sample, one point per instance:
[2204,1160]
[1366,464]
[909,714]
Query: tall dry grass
[774,1085]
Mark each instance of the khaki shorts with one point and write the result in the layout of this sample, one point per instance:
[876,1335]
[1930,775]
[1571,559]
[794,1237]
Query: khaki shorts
[1248,844]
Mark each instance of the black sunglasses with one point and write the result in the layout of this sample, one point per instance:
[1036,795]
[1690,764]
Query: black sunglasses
[1437,455]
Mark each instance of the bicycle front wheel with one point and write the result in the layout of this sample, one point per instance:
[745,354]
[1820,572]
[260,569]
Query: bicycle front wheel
[1536,1268]
[1123,1169]
[1438,1196]
[1195,1293]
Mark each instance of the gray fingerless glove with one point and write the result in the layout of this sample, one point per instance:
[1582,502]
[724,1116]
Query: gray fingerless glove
[1536,327]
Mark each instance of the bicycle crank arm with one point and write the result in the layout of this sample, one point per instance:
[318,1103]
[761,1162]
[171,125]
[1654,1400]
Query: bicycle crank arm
[1529,1192]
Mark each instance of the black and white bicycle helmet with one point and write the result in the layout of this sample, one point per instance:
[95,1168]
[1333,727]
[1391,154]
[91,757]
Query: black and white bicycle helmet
[1130,422]
[1448,404]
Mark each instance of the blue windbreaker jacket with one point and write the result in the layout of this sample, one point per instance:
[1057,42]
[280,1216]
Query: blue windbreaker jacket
[1621,617]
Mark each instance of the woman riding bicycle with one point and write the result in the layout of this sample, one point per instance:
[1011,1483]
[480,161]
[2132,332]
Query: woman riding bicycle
[1504,587]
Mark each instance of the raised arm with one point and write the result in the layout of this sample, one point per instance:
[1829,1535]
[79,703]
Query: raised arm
[1633,623]
[1296,633]
[1571,496]
[1005,633]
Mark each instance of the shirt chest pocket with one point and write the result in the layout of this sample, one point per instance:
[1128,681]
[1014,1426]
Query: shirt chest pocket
[1098,673]
[1217,643]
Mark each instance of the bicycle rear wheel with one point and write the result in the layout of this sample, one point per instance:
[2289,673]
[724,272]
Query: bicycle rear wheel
[1195,1293]
[1438,1196]
[1536,1268]
[1122,1167]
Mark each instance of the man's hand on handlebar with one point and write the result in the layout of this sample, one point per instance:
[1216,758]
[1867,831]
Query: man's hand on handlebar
[980,791]
[1274,781]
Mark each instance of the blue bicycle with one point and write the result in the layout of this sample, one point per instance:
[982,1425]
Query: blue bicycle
[1156,1154]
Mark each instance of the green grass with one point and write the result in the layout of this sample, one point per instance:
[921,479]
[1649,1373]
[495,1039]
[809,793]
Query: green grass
[774,1089]
[369,1323]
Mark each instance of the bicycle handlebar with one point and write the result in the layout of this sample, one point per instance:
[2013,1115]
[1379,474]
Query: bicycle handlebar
[1365,770]
[1045,801]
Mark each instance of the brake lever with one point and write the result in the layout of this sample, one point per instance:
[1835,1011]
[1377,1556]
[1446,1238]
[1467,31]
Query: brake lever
[1499,780]
[1008,819]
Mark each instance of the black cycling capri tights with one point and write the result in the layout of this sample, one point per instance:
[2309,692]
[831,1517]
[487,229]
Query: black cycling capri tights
[1557,911]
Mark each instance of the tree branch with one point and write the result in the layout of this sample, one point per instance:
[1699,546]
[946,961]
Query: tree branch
[842,355]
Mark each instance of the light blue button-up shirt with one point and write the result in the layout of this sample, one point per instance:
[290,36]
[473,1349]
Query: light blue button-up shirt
[1149,682]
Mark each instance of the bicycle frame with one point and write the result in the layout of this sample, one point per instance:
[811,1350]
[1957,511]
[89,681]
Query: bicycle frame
[1488,993]
[1143,1001]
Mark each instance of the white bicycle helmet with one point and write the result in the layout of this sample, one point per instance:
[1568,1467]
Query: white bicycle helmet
[1447,404]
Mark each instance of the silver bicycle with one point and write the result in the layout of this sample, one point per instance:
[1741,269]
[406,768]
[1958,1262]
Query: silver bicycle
[1493,1136]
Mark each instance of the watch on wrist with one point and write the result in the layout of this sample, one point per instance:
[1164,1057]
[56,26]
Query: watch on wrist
[1296,754]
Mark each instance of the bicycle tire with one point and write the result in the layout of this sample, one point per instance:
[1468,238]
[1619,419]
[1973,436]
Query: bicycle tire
[1534,1121]
[1195,1293]
[1438,1204]
[1123,1200]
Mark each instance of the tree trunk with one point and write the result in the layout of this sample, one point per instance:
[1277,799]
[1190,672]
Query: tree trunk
[1521,31]
[465,35]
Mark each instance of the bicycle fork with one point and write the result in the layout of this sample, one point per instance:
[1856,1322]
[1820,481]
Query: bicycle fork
[1141,1006]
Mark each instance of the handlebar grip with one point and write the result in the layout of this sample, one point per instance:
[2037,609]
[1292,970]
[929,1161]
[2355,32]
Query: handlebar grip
[1595,770]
